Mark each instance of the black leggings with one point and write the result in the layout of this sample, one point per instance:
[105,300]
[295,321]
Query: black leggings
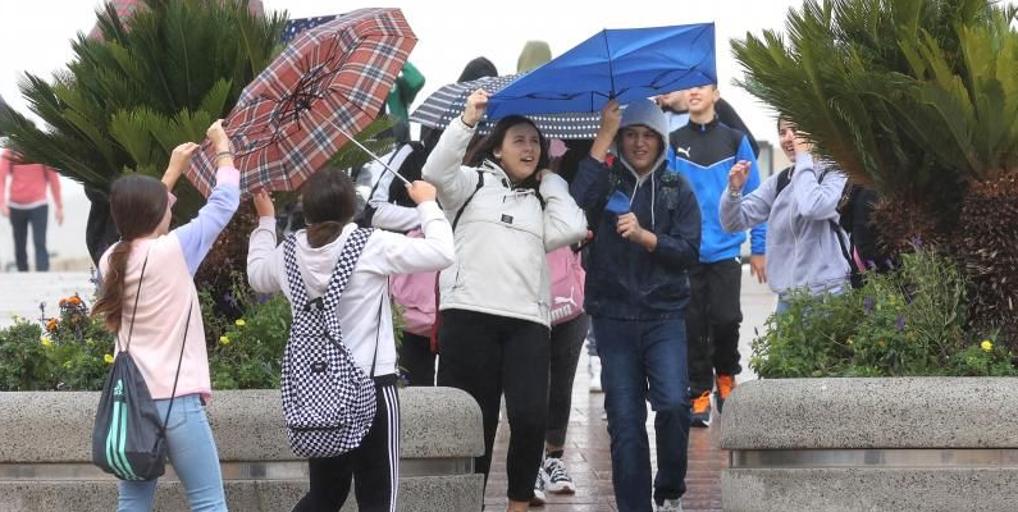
[374,465]
[566,344]
[486,355]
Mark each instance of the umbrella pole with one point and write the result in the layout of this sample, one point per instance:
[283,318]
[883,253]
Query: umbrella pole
[373,156]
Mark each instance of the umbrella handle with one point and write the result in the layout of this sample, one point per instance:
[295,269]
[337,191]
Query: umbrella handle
[373,156]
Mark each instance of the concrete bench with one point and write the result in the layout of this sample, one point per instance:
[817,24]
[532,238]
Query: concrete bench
[45,454]
[881,444]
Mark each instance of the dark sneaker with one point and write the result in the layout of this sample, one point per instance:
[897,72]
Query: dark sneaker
[701,410]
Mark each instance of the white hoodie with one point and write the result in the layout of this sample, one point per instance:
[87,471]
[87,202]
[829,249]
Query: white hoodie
[503,234]
[384,254]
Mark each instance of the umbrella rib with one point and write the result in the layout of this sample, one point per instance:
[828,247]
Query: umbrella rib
[611,70]
[372,155]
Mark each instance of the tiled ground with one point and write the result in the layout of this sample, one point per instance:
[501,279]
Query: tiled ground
[587,455]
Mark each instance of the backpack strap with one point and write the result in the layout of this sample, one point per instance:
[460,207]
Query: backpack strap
[298,293]
[459,213]
[785,179]
[341,276]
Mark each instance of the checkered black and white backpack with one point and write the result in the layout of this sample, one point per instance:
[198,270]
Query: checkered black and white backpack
[328,401]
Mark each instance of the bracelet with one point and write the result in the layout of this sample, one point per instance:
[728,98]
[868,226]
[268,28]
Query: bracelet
[223,154]
[734,194]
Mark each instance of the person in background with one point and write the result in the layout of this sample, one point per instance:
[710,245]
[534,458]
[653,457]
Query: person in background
[27,206]
[805,245]
[705,150]
[409,82]
[646,224]
[674,105]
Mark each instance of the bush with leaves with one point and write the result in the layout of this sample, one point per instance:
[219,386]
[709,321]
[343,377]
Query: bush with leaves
[909,322]
[919,100]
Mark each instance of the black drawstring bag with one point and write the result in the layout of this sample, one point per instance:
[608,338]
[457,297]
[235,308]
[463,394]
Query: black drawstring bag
[129,438]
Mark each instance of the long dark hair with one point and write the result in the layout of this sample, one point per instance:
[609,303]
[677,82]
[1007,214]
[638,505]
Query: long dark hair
[137,204]
[485,150]
[329,201]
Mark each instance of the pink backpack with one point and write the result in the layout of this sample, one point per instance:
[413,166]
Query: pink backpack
[416,294]
[567,278]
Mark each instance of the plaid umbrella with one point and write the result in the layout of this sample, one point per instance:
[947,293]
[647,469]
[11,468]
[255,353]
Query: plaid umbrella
[325,87]
[449,101]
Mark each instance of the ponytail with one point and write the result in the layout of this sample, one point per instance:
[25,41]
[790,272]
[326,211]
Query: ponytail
[110,305]
[323,233]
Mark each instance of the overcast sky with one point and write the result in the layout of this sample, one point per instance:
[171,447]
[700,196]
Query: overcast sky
[36,34]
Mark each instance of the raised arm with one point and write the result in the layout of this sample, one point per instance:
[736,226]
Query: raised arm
[739,212]
[444,167]
[263,256]
[197,236]
[815,199]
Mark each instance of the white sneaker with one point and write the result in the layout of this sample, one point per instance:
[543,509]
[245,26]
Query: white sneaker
[540,498]
[558,479]
[670,506]
[594,370]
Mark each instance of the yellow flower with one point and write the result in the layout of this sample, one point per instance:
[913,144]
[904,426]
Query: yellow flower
[108,358]
[46,342]
[986,345]
[224,340]
[240,322]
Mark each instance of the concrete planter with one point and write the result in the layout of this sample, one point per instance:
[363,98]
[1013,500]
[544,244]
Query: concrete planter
[45,454]
[915,444]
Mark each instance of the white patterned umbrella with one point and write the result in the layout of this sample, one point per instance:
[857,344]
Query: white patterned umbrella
[449,101]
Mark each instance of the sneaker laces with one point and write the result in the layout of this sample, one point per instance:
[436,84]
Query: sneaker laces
[556,470]
[701,403]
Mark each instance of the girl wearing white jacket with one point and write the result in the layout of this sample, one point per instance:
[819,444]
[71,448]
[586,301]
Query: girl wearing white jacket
[507,210]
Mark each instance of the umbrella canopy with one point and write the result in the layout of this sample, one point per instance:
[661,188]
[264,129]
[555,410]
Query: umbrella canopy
[329,84]
[449,101]
[623,64]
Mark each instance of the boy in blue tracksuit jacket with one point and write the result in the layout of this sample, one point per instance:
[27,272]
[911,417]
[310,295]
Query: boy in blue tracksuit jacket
[704,151]
[646,222]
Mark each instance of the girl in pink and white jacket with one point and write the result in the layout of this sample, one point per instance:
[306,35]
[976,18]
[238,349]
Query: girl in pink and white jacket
[149,299]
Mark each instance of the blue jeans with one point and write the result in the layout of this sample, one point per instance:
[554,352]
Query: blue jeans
[640,361]
[192,452]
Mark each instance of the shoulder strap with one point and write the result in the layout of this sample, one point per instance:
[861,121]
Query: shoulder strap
[784,179]
[180,359]
[298,293]
[459,213]
[344,267]
[134,311]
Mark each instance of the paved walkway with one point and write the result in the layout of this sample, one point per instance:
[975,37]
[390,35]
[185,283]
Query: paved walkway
[21,293]
[587,454]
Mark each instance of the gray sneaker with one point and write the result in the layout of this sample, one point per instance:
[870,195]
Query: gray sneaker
[559,481]
[670,506]
[539,498]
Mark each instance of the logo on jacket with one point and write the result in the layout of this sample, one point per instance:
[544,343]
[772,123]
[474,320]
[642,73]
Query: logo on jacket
[683,151]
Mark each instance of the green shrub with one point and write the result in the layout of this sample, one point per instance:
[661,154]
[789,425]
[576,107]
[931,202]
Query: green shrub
[910,322]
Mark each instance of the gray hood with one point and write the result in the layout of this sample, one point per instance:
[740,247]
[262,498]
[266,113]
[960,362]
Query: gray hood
[647,113]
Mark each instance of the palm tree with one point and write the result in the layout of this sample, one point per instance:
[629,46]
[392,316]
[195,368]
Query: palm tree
[918,99]
[129,97]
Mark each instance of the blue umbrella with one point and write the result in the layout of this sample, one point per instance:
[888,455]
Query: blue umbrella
[624,64]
